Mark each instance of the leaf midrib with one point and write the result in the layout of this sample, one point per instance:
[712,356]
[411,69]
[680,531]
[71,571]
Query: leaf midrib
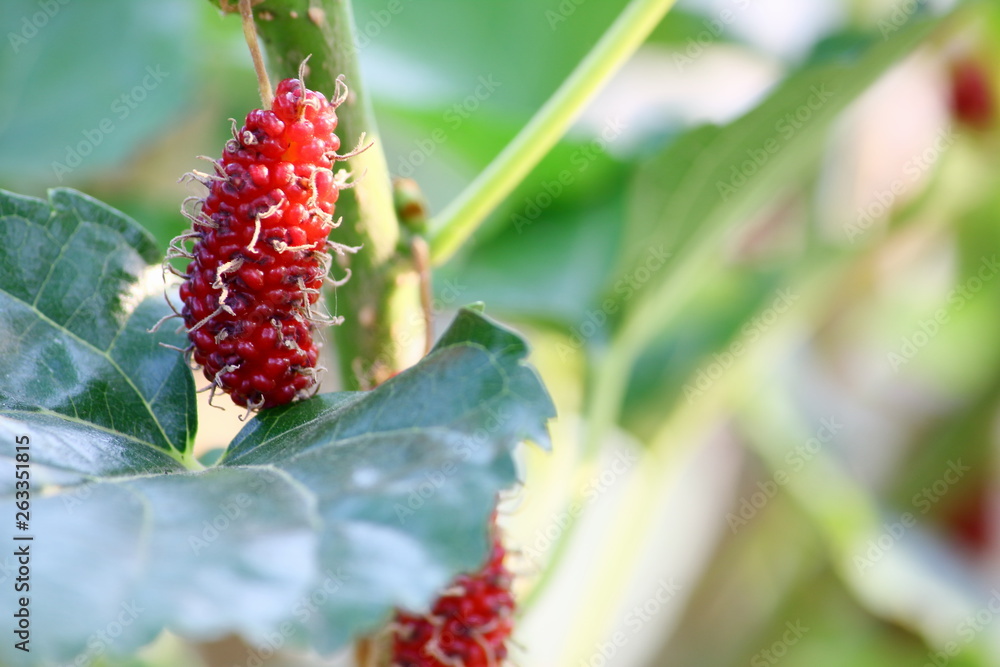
[492,356]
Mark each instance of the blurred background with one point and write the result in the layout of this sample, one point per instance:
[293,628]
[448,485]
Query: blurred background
[758,276]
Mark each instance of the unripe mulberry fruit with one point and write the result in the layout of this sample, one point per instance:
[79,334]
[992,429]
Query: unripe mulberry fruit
[468,625]
[260,254]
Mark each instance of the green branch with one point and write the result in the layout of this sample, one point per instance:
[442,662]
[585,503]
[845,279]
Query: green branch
[383,330]
[457,223]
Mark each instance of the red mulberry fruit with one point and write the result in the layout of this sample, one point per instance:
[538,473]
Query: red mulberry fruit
[972,100]
[260,254]
[468,625]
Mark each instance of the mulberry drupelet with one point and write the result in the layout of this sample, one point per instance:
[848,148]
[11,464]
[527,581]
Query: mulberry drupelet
[468,625]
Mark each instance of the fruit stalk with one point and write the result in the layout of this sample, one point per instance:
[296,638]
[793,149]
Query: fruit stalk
[383,331]
[453,226]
